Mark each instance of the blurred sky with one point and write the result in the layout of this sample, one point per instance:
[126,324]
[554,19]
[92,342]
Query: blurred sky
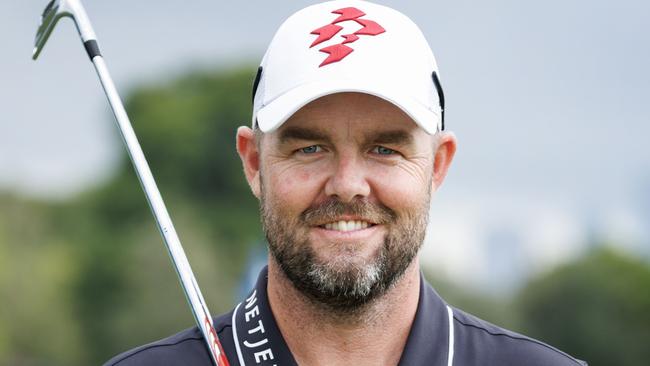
[548,101]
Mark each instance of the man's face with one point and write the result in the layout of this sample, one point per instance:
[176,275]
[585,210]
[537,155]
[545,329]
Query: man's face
[345,186]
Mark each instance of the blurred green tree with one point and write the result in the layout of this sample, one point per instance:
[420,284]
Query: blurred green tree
[597,309]
[37,267]
[127,292]
[85,279]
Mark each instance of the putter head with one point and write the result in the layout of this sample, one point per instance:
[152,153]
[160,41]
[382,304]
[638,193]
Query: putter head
[55,10]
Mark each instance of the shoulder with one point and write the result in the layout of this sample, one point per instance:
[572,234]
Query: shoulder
[184,348]
[481,343]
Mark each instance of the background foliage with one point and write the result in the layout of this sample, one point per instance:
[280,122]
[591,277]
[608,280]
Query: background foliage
[84,279]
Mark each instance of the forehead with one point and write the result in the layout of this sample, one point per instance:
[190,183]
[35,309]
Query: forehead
[349,115]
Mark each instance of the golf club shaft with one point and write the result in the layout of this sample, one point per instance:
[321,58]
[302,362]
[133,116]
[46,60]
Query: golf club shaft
[172,242]
[57,9]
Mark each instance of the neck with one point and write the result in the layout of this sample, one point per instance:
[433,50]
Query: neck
[316,336]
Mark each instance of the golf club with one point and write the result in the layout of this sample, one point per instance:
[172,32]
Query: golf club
[57,9]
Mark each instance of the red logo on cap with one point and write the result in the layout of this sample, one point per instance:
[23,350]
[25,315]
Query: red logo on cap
[339,51]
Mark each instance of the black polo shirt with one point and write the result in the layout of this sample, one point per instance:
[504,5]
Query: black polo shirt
[440,336]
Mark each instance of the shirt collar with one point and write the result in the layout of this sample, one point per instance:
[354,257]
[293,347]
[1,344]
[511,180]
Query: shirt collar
[428,340]
[258,340]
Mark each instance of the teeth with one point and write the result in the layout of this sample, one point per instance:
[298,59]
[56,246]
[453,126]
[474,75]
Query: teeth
[347,225]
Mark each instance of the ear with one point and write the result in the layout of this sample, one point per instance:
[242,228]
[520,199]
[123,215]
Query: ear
[446,149]
[250,157]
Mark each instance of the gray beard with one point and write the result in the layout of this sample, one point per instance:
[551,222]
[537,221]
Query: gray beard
[343,288]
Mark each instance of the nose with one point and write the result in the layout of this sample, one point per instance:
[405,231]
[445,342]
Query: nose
[348,180]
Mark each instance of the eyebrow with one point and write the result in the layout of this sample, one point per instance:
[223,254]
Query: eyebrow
[300,133]
[396,137]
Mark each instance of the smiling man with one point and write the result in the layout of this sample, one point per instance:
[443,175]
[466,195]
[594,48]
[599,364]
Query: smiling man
[346,149]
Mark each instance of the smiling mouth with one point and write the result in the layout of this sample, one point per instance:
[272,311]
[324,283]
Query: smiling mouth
[343,225]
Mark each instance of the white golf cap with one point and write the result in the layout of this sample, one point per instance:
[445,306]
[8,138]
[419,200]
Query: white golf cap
[348,46]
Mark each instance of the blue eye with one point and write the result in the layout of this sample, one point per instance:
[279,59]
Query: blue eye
[383,150]
[310,149]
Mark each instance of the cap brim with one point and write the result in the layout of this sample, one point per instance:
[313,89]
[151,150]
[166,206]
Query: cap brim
[275,113]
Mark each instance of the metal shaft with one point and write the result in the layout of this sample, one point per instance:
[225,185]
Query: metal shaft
[172,242]
[58,9]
